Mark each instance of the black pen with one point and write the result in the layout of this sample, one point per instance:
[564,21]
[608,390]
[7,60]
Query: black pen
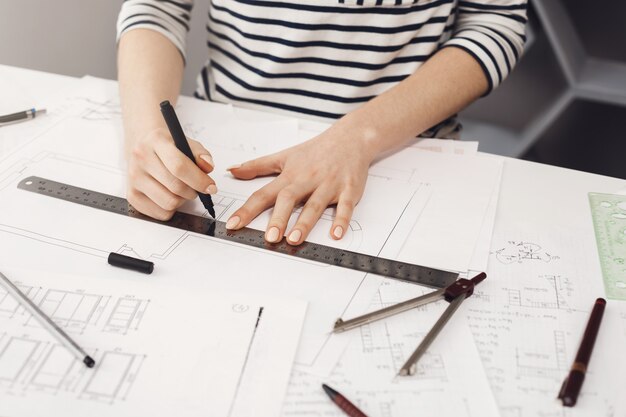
[21,116]
[180,140]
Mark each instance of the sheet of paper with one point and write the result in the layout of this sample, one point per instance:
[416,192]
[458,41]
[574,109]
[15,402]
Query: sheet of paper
[449,381]
[543,277]
[23,89]
[448,229]
[480,257]
[448,146]
[529,318]
[84,148]
[161,350]
[232,142]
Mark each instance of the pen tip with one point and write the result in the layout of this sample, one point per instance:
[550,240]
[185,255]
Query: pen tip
[331,392]
[165,103]
[88,360]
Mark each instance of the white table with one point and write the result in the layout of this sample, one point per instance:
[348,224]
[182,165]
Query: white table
[536,201]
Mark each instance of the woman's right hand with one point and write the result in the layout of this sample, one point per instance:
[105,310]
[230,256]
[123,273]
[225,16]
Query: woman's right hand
[161,178]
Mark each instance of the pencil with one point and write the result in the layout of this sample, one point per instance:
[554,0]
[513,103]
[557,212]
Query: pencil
[343,403]
[574,380]
[176,130]
[47,322]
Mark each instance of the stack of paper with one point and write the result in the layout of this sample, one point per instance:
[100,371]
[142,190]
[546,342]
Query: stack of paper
[420,206]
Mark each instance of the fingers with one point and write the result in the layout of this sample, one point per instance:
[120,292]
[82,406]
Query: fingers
[160,195]
[146,206]
[286,200]
[204,159]
[345,207]
[184,168]
[266,165]
[258,202]
[311,212]
[157,170]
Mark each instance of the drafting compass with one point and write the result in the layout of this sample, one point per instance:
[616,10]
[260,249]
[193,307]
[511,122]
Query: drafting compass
[454,293]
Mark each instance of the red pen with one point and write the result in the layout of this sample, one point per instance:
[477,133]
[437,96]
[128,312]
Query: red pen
[343,403]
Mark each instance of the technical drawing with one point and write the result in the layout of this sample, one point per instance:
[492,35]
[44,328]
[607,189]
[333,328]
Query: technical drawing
[126,315]
[9,306]
[521,251]
[72,310]
[100,110]
[389,345]
[224,202]
[16,358]
[56,372]
[114,384]
[552,365]
[551,292]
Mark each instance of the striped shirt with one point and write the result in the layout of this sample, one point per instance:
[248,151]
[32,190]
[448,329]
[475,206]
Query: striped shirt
[324,58]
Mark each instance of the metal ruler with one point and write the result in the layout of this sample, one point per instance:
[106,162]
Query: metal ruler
[609,221]
[311,251]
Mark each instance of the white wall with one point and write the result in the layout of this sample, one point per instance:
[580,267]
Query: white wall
[77,37]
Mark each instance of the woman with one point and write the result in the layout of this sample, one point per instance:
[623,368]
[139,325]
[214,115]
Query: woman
[383,70]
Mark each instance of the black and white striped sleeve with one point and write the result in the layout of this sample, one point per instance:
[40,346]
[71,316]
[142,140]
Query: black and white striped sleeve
[493,32]
[169,17]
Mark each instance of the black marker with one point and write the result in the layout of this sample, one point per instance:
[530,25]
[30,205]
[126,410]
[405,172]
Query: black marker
[181,143]
[128,262]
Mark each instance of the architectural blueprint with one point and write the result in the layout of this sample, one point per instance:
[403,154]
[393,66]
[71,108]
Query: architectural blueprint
[138,333]
[60,151]
[404,192]
[528,321]
[449,380]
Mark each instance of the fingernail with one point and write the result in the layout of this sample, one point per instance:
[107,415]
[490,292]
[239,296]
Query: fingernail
[272,234]
[211,189]
[233,167]
[233,222]
[338,232]
[294,236]
[208,159]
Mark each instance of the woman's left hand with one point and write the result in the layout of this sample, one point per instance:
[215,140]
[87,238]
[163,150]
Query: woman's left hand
[323,171]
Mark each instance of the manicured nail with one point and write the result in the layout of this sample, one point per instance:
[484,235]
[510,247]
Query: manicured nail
[294,236]
[233,222]
[272,234]
[233,167]
[208,159]
[211,189]
[338,232]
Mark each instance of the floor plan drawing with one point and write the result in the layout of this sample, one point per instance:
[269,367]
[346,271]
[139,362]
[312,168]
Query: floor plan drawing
[57,371]
[114,384]
[73,311]
[9,307]
[126,315]
[50,155]
[135,330]
[17,357]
